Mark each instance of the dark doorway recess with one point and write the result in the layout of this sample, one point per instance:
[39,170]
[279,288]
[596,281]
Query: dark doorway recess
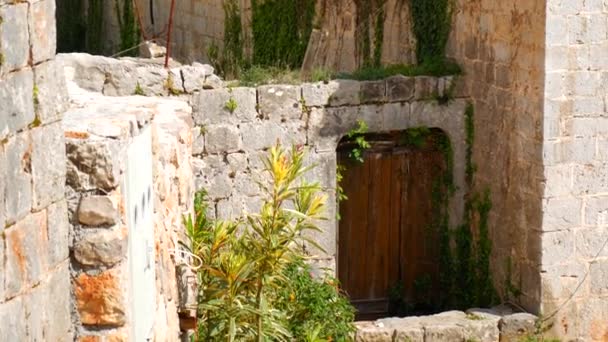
[388,244]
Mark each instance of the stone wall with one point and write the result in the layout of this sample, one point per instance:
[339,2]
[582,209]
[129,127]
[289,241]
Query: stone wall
[500,47]
[200,24]
[229,144]
[34,277]
[575,201]
[99,131]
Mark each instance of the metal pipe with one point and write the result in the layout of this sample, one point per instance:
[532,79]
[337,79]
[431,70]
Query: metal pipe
[169,34]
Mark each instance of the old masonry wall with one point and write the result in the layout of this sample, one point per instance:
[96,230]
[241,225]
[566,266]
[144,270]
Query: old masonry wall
[34,266]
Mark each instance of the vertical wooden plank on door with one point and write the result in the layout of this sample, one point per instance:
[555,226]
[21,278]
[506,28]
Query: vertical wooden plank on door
[353,224]
[419,236]
[396,190]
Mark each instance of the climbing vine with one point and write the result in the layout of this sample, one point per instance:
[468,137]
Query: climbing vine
[93,26]
[464,257]
[232,59]
[432,20]
[129,32]
[370,23]
[281,30]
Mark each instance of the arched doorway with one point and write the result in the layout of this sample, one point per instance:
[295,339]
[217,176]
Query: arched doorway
[388,240]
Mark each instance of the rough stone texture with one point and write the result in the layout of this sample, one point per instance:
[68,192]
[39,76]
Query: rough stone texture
[500,46]
[98,130]
[58,233]
[574,155]
[52,92]
[42,29]
[104,247]
[516,326]
[14,36]
[97,211]
[199,25]
[100,299]
[210,106]
[48,165]
[34,282]
[493,325]
[126,76]
[315,116]
[26,245]
[16,94]
[19,176]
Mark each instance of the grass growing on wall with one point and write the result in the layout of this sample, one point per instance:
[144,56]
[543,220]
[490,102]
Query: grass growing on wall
[437,69]
[281,30]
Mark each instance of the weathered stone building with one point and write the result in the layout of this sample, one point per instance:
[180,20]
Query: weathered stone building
[73,266]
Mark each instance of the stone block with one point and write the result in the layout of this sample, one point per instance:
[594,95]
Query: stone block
[26,244]
[591,319]
[35,304]
[409,334]
[395,116]
[557,247]
[14,36]
[17,98]
[218,186]
[373,91]
[237,162]
[210,106]
[100,299]
[12,318]
[43,31]
[2,252]
[346,94]
[97,211]
[58,228]
[121,79]
[262,135]
[198,145]
[371,332]
[18,177]
[194,76]
[48,165]
[425,87]
[327,126]
[93,164]
[596,211]
[3,171]
[558,180]
[443,331]
[101,248]
[245,184]
[229,209]
[516,326]
[482,327]
[560,281]
[51,94]
[280,102]
[372,115]
[598,275]
[400,88]
[560,214]
[590,178]
[318,94]
[222,138]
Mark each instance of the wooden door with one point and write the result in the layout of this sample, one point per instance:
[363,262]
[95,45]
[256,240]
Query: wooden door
[385,234]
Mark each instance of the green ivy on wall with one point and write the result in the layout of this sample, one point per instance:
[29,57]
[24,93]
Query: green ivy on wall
[464,257]
[370,23]
[431,24]
[281,30]
[129,32]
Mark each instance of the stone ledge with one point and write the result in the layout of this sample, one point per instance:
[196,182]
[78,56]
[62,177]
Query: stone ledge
[483,325]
